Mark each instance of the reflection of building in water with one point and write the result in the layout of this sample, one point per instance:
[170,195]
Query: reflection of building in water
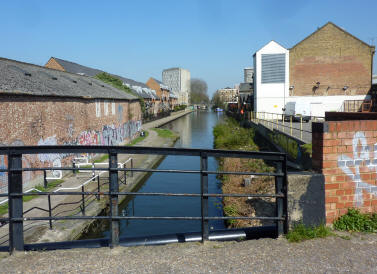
[183,127]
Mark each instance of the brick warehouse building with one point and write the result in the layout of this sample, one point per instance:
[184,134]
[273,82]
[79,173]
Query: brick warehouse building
[41,106]
[331,62]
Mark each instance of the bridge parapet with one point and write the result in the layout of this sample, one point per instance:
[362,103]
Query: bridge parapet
[345,152]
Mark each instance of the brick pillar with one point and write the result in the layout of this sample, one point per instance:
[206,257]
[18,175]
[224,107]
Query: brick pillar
[345,152]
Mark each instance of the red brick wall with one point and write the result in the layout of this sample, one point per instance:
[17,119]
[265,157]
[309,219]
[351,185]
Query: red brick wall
[41,121]
[53,64]
[335,59]
[346,154]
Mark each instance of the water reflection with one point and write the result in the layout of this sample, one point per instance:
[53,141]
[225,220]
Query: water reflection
[195,130]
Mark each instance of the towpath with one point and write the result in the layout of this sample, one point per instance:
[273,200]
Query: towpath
[329,255]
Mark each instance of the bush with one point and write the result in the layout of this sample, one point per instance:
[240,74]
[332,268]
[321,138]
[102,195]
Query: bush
[301,233]
[353,220]
[180,107]
[230,135]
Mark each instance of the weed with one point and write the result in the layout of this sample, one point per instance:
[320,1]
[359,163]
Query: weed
[117,83]
[353,220]
[138,139]
[308,148]
[230,211]
[164,133]
[301,233]
[102,158]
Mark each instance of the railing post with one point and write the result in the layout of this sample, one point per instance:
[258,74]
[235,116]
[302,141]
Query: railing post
[15,210]
[285,192]
[204,199]
[125,174]
[301,128]
[291,125]
[99,188]
[73,166]
[49,210]
[93,172]
[44,179]
[83,201]
[114,187]
[132,166]
[279,200]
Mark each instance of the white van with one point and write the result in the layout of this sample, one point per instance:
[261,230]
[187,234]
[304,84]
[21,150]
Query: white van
[296,110]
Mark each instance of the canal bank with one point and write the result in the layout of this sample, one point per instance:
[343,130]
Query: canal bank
[38,231]
[195,131]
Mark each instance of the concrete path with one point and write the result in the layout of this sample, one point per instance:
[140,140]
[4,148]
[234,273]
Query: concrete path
[163,121]
[329,255]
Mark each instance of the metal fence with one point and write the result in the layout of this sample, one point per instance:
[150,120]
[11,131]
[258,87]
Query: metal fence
[297,127]
[15,193]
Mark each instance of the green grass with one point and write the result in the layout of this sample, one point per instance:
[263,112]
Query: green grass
[102,158]
[301,233]
[353,220]
[230,135]
[3,209]
[164,133]
[27,198]
[230,211]
[138,139]
[308,148]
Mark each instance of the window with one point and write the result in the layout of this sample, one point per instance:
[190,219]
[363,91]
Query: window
[106,107]
[113,108]
[98,108]
[273,68]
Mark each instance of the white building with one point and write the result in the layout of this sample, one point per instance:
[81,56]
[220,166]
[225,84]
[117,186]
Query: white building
[248,75]
[178,79]
[271,78]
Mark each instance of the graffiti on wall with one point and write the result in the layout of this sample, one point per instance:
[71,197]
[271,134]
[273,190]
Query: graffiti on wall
[109,135]
[361,156]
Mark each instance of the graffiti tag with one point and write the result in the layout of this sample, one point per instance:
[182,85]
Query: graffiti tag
[346,163]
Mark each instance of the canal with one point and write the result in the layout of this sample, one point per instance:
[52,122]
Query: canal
[195,131]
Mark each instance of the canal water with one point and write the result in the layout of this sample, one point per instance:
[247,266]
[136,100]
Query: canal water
[195,131]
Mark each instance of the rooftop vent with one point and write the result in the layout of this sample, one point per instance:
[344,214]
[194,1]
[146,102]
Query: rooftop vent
[27,74]
[54,78]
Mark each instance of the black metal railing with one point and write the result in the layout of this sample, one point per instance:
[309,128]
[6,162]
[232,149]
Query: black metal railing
[15,193]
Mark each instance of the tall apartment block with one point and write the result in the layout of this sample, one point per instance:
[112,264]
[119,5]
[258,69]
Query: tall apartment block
[248,75]
[178,79]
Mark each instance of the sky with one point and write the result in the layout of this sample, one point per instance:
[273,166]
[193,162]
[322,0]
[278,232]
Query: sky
[213,39]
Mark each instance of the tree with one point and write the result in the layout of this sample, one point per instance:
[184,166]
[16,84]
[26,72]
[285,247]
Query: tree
[217,101]
[199,92]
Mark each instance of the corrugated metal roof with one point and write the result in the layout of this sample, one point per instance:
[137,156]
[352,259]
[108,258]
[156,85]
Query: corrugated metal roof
[28,79]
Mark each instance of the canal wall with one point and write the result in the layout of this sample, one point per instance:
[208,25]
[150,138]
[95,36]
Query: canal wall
[166,120]
[297,155]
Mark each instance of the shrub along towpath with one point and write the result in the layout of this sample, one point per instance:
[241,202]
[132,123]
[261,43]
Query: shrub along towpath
[38,231]
[329,255]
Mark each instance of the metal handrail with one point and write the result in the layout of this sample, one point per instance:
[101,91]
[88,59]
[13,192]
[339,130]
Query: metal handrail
[16,217]
[274,123]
